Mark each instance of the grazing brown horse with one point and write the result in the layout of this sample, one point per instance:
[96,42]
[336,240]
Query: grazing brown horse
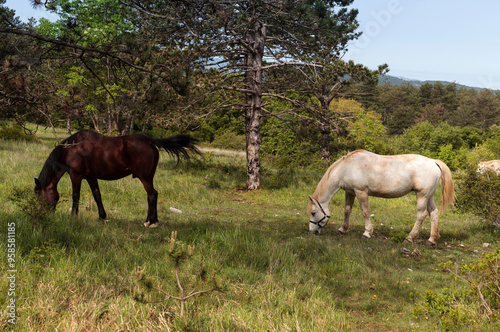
[91,156]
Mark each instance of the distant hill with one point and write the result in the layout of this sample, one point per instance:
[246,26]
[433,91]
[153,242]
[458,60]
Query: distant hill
[393,80]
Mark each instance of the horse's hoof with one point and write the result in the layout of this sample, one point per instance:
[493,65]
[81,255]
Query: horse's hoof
[408,240]
[367,235]
[341,232]
[153,225]
[431,244]
[146,224]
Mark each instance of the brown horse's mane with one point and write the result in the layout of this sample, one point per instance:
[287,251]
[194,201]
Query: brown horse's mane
[51,165]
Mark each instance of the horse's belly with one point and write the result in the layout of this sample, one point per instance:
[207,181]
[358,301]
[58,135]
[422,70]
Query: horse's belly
[389,188]
[110,174]
[389,194]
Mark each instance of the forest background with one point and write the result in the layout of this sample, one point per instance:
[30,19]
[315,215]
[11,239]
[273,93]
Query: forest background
[236,81]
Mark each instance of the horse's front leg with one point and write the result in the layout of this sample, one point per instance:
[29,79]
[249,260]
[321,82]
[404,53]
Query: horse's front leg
[363,202]
[76,183]
[94,186]
[349,201]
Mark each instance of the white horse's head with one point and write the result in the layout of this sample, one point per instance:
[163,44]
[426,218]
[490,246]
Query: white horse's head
[319,216]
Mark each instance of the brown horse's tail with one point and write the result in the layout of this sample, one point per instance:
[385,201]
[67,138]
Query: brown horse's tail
[178,146]
[447,184]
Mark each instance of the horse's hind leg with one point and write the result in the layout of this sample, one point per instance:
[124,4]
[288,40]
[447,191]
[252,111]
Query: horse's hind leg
[94,186]
[152,219]
[349,201]
[422,202]
[363,201]
[434,215]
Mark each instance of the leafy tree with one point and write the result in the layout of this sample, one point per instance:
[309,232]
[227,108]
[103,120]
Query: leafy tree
[487,109]
[368,132]
[464,114]
[400,106]
[249,41]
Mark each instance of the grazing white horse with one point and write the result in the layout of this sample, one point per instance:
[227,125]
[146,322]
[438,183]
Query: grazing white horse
[492,165]
[361,174]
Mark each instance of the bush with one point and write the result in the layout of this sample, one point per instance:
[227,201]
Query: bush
[446,306]
[31,205]
[15,132]
[480,194]
[229,140]
[482,290]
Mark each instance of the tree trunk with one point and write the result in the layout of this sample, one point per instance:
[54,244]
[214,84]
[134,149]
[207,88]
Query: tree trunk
[68,126]
[255,39]
[324,141]
[325,129]
[129,124]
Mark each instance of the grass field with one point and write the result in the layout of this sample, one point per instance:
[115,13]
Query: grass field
[80,273]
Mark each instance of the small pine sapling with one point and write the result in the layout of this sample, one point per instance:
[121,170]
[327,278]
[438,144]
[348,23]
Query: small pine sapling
[178,252]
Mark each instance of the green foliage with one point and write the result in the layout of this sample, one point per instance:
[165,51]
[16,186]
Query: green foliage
[368,132]
[31,205]
[471,136]
[94,21]
[178,252]
[493,143]
[43,252]
[455,159]
[229,140]
[483,279]
[481,153]
[398,237]
[452,308]
[443,142]
[282,145]
[447,306]
[15,132]
[480,194]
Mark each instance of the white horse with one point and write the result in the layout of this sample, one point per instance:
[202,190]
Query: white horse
[361,174]
[492,165]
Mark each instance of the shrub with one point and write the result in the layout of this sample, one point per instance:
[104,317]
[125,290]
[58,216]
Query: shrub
[445,306]
[482,277]
[178,253]
[482,290]
[480,194]
[15,132]
[31,205]
[229,140]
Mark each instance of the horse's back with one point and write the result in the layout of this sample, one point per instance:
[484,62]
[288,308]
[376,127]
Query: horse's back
[389,176]
[109,158]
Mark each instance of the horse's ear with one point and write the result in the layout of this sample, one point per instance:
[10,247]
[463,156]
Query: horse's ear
[38,185]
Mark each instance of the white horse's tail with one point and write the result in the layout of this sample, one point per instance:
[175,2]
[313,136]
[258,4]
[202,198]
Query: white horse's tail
[447,184]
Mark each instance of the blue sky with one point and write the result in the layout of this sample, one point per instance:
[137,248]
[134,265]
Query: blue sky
[456,41]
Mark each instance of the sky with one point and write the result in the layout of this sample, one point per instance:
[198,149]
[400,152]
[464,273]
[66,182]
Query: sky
[447,40]
[456,41]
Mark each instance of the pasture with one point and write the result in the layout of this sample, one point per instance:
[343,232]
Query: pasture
[79,273]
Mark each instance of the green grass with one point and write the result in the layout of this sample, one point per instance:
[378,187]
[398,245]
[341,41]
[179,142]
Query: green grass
[78,273]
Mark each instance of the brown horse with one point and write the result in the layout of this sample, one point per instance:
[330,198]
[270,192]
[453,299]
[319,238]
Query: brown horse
[91,156]
[361,174]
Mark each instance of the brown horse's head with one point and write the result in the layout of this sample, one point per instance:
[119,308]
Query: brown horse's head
[48,194]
